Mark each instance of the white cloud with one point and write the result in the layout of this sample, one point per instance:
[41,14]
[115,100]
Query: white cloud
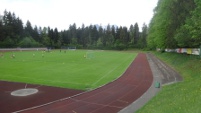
[61,13]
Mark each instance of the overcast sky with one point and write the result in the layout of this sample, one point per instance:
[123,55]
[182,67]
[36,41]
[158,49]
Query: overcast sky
[62,13]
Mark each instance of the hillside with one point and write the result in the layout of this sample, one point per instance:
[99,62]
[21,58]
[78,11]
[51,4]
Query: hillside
[182,97]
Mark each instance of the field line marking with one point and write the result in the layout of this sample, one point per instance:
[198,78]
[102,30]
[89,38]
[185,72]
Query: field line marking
[96,103]
[38,86]
[62,99]
[110,72]
[104,76]
[74,111]
[122,101]
[25,86]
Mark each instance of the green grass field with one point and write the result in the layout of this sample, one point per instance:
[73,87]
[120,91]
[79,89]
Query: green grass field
[80,69]
[183,97]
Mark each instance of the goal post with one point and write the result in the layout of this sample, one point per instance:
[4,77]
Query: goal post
[68,47]
[89,55]
[72,48]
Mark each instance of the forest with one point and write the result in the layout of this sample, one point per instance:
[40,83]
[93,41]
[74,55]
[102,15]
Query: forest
[175,24]
[13,33]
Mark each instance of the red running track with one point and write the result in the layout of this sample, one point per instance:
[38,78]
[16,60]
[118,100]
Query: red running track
[110,98]
[9,103]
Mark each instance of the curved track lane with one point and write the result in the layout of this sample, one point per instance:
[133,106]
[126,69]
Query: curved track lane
[110,98]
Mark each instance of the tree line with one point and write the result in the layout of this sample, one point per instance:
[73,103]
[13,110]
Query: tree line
[176,23]
[13,33]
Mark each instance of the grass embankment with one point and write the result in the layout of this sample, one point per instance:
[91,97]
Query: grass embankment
[69,69]
[183,97]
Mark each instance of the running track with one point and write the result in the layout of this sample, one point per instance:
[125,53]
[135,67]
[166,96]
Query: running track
[110,98]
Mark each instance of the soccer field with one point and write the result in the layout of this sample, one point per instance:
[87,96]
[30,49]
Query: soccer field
[79,69]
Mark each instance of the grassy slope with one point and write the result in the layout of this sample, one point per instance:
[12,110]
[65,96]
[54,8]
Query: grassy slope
[62,69]
[183,97]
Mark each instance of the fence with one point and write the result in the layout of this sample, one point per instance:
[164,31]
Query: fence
[190,51]
[21,49]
